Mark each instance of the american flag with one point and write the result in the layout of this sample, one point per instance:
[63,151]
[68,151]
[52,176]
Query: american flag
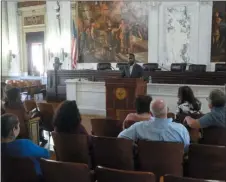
[74,47]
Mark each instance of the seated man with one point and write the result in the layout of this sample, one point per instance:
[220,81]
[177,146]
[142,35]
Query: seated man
[217,116]
[160,129]
[142,105]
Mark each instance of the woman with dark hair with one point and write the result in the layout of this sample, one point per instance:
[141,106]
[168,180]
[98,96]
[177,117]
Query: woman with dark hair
[10,129]
[15,106]
[143,113]
[67,119]
[187,103]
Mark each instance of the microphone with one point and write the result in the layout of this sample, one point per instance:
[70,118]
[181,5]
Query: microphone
[79,76]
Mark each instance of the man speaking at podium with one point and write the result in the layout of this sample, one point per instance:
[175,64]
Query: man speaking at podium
[133,70]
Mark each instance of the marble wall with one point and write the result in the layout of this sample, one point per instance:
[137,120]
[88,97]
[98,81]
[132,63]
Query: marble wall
[178,31]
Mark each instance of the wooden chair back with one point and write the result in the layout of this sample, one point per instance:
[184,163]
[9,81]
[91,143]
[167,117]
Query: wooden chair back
[129,123]
[20,113]
[71,147]
[214,136]
[104,174]
[207,162]
[181,116]
[171,115]
[29,105]
[106,127]
[18,170]
[171,178]
[161,157]
[47,113]
[113,152]
[55,171]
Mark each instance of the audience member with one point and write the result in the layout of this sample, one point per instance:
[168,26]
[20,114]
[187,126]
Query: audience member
[160,129]
[67,119]
[15,106]
[187,103]
[217,115]
[143,113]
[10,129]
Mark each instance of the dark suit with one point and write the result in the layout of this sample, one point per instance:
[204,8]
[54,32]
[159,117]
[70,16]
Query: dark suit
[137,72]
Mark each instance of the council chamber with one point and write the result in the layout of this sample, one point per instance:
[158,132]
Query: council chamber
[106,91]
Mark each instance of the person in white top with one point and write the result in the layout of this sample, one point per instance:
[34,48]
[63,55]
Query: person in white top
[187,103]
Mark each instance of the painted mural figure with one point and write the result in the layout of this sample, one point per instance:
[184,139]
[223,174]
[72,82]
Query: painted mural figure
[124,36]
[83,39]
[109,30]
[218,48]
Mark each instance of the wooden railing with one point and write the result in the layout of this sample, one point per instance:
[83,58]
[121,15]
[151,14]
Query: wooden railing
[167,77]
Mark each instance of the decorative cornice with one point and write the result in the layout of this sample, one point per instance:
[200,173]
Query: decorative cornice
[155,3]
[202,2]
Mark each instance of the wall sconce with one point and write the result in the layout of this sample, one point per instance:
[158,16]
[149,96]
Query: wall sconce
[50,54]
[12,55]
[64,54]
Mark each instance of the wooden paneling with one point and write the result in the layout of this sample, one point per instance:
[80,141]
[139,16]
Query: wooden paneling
[166,77]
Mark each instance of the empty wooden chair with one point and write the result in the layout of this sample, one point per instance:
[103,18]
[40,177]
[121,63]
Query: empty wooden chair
[113,175]
[129,123]
[113,152]
[29,105]
[47,113]
[180,117]
[55,171]
[171,178]
[161,157]
[106,127]
[71,147]
[15,169]
[207,162]
[214,136]
[171,115]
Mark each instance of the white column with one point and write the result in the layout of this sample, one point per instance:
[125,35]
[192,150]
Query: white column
[52,33]
[13,38]
[4,39]
[205,29]
[65,18]
[153,32]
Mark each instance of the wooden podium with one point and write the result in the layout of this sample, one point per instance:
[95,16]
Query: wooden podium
[121,94]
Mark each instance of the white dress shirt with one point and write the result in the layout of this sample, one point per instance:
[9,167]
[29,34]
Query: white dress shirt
[131,69]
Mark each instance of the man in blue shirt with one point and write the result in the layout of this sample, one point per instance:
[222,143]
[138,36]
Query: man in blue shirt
[160,128]
[217,116]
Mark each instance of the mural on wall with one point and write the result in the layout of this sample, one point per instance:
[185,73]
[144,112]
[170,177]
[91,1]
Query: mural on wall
[218,41]
[109,30]
[178,31]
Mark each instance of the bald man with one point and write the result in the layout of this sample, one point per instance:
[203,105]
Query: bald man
[160,128]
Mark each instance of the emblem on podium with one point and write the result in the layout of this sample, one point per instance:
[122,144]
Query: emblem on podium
[120,93]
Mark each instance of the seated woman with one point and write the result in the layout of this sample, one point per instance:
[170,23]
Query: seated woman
[187,103]
[10,129]
[143,113]
[67,119]
[15,106]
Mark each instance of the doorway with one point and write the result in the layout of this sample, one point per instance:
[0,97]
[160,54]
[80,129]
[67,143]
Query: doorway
[35,53]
